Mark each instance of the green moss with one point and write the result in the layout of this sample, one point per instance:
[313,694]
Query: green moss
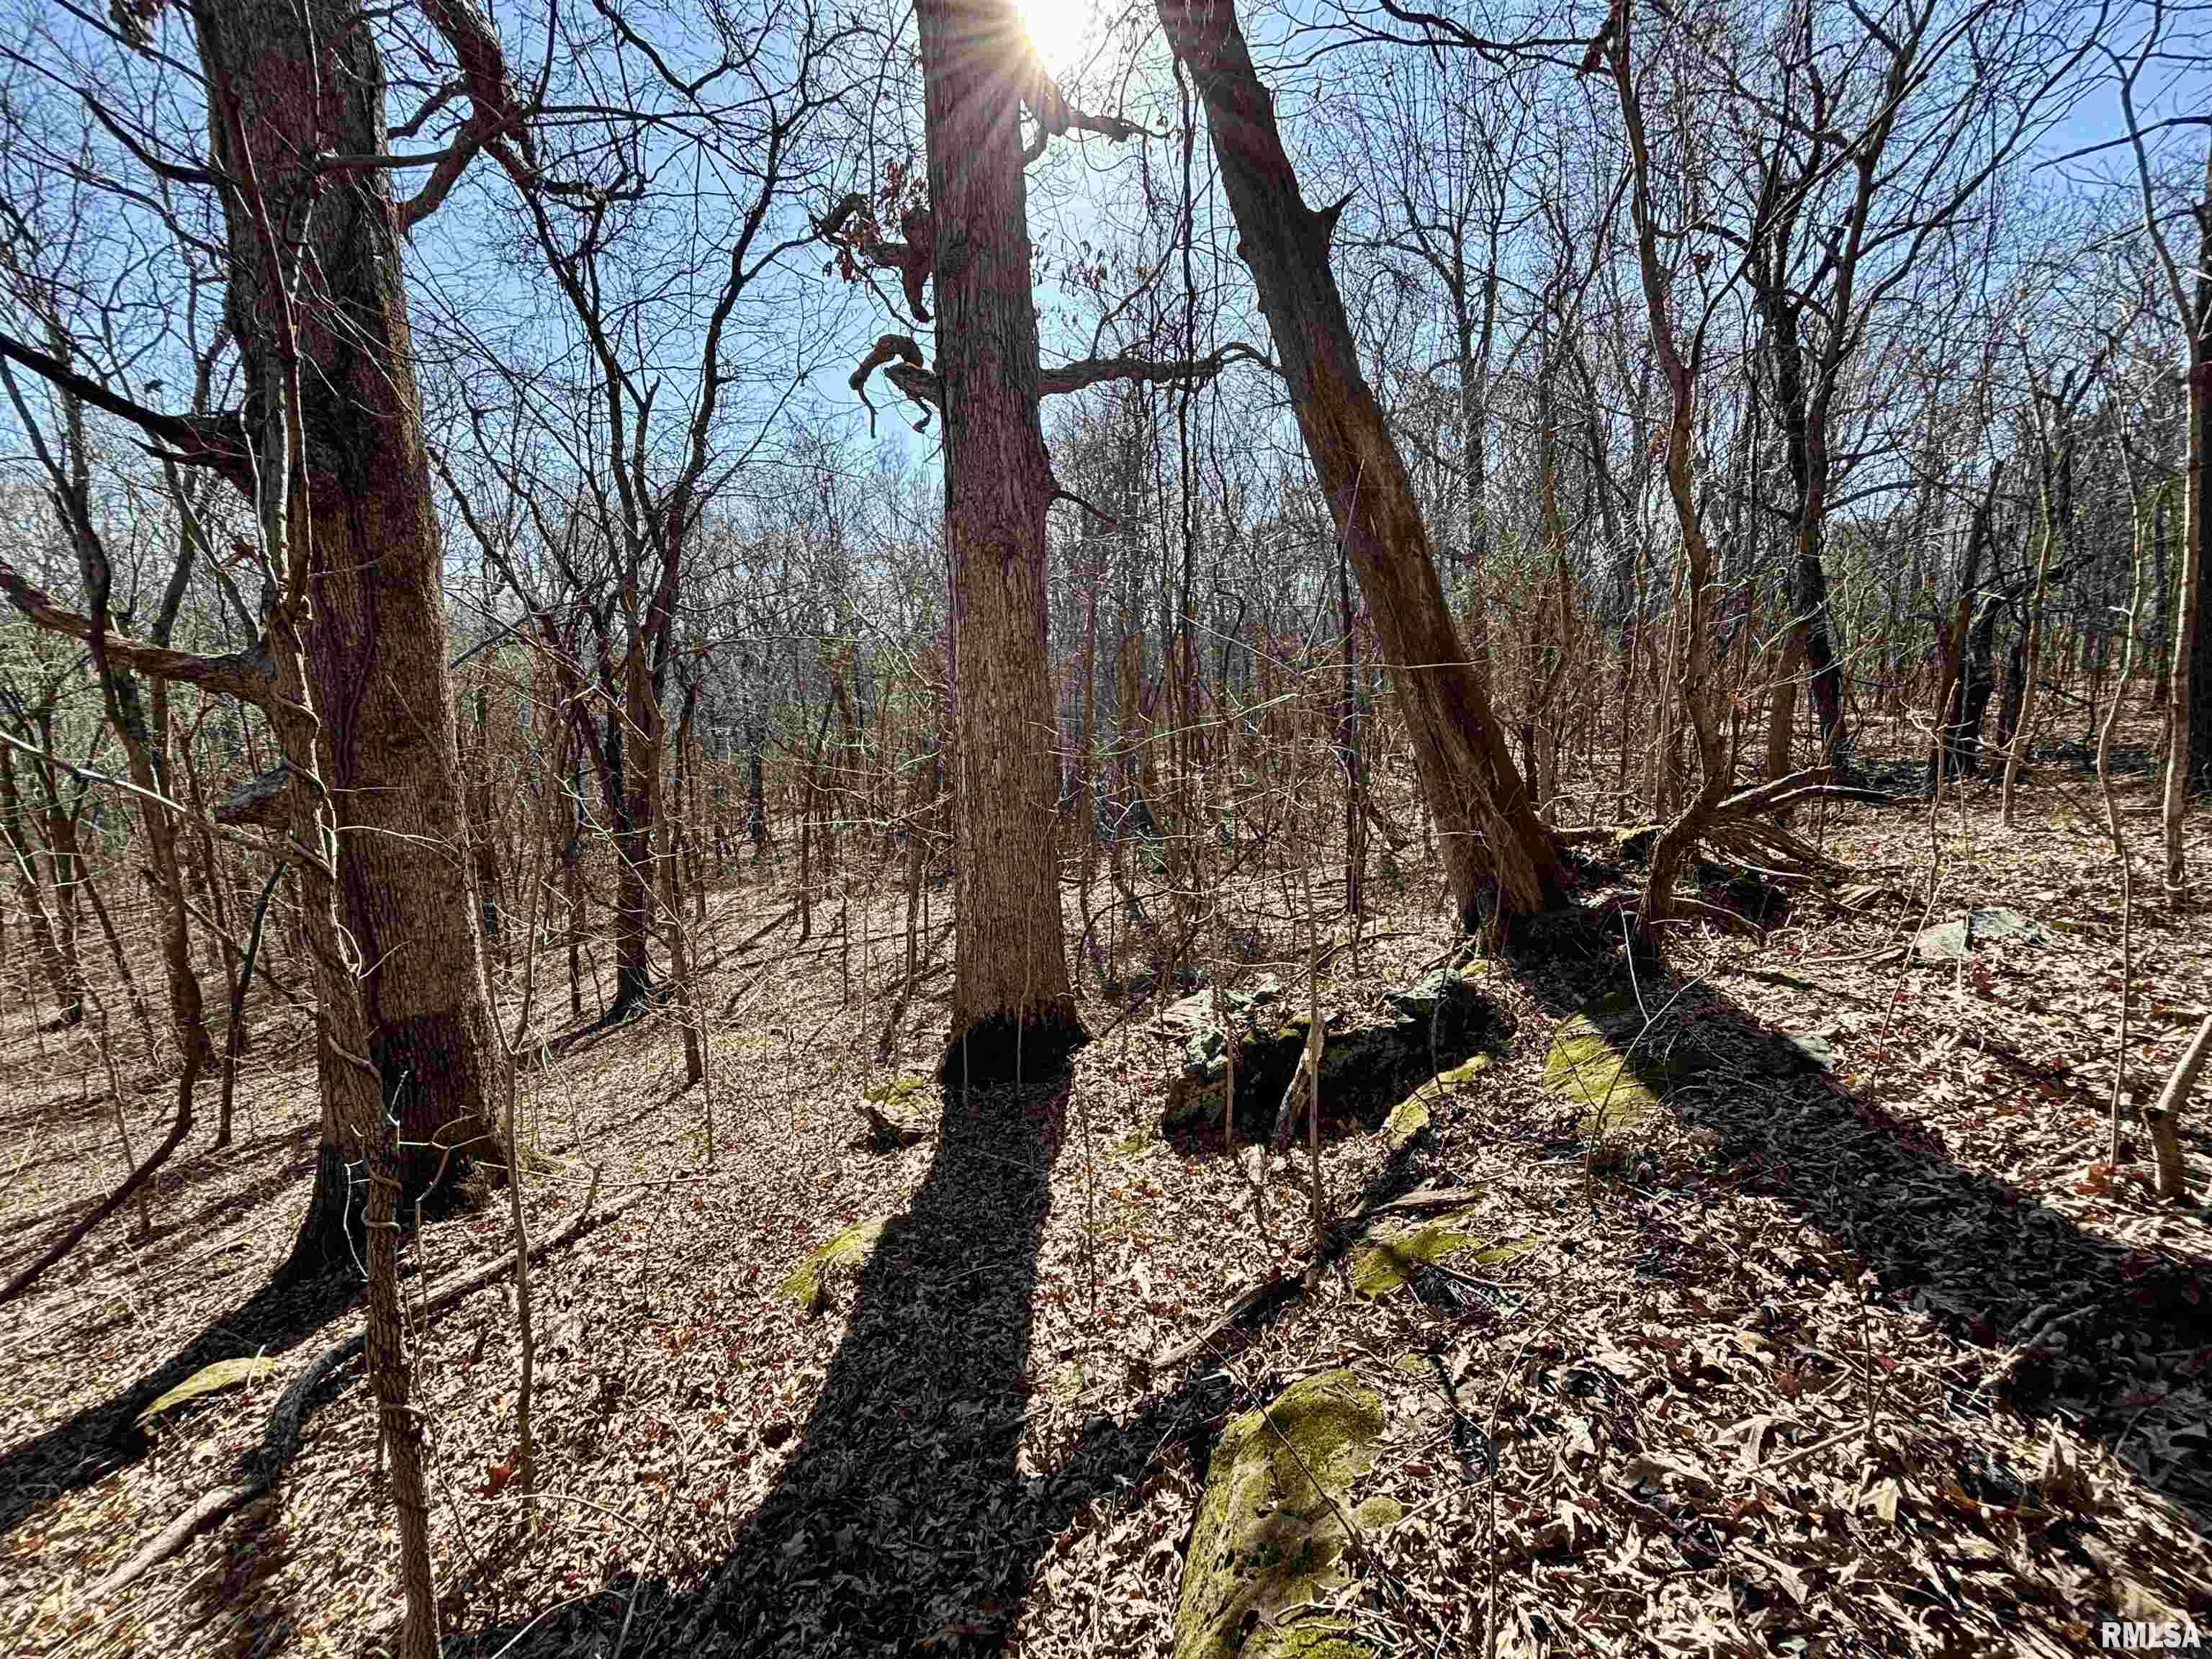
[803,1284]
[1378,1514]
[897,1090]
[1270,1534]
[1461,1076]
[1318,1639]
[211,1379]
[1135,1141]
[1384,1264]
[1591,1064]
[1407,1118]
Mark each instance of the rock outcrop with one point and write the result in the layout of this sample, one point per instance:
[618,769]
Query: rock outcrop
[1370,1064]
[1275,1527]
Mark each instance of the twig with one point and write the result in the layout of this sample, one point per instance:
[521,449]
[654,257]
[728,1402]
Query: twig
[280,1436]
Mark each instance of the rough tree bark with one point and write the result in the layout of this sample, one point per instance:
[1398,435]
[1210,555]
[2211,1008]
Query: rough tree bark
[1494,846]
[1012,1007]
[308,81]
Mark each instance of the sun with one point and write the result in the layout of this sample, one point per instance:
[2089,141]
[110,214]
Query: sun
[1060,30]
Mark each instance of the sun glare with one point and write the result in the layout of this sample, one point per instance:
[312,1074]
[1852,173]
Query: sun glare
[1059,30]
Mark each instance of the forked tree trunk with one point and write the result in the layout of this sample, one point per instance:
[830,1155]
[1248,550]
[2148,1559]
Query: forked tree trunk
[309,81]
[1012,1009]
[1494,846]
[1693,633]
[1804,419]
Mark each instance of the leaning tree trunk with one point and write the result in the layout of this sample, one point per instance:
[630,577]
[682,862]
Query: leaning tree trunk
[309,81]
[1494,846]
[1012,1007]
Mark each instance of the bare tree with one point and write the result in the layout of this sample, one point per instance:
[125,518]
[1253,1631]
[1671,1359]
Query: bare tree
[1495,849]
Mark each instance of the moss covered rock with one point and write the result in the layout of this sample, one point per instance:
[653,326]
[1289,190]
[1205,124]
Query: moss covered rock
[1369,1063]
[1603,1061]
[1408,1120]
[1271,1531]
[1388,1261]
[897,1112]
[809,1284]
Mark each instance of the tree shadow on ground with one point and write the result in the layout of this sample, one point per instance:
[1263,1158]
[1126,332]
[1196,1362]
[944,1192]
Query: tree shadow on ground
[97,1441]
[2049,1321]
[295,1156]
[879,1533]
[904,1520]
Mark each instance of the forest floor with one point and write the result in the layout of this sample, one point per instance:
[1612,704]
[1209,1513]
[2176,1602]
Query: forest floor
[1880,1360]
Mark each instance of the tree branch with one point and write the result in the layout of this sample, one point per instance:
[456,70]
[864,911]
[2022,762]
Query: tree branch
[911,259]
[1056,116]
[211,440]
[921,383]
[242,674]
[906,372]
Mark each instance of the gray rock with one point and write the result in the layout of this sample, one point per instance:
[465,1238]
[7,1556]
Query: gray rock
[1953,940]
[1367,1065]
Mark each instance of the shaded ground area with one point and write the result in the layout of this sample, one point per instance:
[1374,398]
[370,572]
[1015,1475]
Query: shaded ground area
[92,1444]
[2049,1323]
[907,1517]
[1648,1432]
[912,1439]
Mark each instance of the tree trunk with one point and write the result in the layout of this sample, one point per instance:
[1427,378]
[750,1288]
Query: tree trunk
[1804,426]
[2162,670]
[1963,647]
[483,858]
[2052,494]
[1012,1009]
[633,831]
[1086,742]
[309,82]
[572,871]
[2189,694]
[1694,621]
[1494,846]
[67,985]
[277,75]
